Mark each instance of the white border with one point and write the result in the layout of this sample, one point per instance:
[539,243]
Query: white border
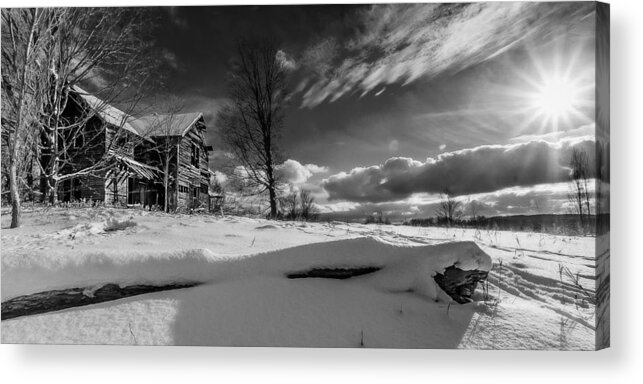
[621,364]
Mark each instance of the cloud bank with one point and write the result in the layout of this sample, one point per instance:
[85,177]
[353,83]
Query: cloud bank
[293,172]
[540,199]
[482,169]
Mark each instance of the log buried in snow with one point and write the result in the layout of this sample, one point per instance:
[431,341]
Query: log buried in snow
[333,273]
[459,284]
[57,300]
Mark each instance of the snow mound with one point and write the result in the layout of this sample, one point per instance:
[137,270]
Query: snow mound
[118,225]
[110,224]
[404,268]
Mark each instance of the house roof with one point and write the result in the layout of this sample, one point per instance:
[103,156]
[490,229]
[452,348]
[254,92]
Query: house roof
[107,112]
[156,125]
[134,167]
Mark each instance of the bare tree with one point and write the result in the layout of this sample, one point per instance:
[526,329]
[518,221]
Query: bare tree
[163,150]
[307,202]
[474,208]
[580,176]
[25,35]
[290,205]
[298,205]
[250,124]
[105,49]
[450,209]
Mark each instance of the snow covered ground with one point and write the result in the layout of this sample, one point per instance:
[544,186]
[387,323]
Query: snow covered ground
[245,298]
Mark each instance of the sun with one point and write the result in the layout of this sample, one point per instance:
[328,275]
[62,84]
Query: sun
[551,92]
[556,98]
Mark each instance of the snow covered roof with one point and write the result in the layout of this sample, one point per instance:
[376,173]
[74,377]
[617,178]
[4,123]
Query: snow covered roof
[156,125]
[107,112]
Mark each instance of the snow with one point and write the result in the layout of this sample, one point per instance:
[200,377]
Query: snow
[245,298]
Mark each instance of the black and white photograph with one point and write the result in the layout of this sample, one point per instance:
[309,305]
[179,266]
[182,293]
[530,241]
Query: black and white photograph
[402,176]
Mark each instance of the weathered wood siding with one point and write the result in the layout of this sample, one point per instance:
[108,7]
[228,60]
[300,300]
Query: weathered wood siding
[109,187]
[92,188]
[116,191]
[87,147]
[153,154]
[191,178]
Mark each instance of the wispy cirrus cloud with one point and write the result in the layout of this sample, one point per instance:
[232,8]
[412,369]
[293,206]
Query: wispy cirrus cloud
[400,43]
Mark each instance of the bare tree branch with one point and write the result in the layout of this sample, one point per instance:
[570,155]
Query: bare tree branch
[450,210]
[579,195]
[249,125]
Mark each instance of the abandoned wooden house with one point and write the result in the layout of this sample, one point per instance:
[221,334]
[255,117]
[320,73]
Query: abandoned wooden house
[120,160]
[178,149]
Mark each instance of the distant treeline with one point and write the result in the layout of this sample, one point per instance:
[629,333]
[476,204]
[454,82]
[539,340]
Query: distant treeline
[566,224]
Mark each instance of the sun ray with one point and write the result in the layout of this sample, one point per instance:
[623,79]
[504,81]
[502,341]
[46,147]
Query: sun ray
[550,92]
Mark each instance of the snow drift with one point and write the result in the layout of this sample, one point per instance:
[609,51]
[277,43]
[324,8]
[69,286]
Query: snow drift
[246,298]
[403,268]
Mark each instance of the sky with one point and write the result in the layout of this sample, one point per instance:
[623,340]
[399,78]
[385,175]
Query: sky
[392,105]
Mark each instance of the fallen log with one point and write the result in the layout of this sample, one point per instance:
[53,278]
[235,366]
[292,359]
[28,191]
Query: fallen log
[459,284]
[56,300]
[333,273]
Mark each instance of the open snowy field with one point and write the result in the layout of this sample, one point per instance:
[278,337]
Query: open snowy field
[244,297]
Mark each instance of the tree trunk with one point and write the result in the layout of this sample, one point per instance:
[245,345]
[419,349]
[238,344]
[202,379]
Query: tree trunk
[54,193]
[587,198]
[272,193]
[176,177]
[267,143]
[15,196]
[166,170]
[13,141]
[52,190]
[579,202]
[273,201]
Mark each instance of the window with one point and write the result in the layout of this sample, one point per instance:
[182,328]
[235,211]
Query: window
[115,181]
[66,195]
[76,190]
[195,155]
[183,189]
[204,189]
